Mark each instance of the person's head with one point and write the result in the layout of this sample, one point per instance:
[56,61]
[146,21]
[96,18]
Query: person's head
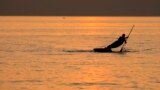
[123,35]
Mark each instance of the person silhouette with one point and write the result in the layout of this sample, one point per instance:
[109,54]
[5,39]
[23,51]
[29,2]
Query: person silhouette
[117,43]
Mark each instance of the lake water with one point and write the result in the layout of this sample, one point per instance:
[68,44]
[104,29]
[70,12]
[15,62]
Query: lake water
[55,53]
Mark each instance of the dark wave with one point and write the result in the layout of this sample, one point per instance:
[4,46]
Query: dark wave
[76,51]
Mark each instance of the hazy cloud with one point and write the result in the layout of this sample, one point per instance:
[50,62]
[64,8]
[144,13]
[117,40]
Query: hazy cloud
[80,7]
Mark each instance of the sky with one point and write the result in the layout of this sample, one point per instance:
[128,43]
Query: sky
[81,7]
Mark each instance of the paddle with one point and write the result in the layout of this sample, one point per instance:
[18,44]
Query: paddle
[127,38]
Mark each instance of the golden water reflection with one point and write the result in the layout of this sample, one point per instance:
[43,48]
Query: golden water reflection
[33,53]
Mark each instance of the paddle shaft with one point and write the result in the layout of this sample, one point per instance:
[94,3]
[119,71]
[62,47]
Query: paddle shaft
[127,38]
[130,31]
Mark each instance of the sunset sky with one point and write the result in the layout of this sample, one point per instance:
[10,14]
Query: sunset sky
[81,7]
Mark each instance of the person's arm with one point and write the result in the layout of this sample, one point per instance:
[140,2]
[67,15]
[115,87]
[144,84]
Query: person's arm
[125,39]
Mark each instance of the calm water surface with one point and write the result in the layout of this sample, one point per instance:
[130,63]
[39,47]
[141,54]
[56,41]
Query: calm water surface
[55,53]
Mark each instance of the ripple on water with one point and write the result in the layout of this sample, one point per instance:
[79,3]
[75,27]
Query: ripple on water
[92,84]
[27,81]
